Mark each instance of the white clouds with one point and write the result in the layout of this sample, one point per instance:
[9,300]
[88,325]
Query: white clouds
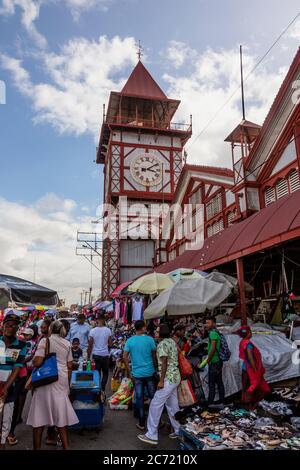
[80,79]
[79,6]
[294,32]
[44,234]
[211,79]
[30,10]
[178,53]
[83,73]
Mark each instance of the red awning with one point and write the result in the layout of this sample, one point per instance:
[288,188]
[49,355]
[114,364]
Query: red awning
[118,290]
[272,225]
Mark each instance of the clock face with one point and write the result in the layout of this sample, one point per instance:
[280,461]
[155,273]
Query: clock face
[146,169]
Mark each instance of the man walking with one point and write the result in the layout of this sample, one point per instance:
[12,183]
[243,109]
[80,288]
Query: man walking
[166,394]
[81,330]
[12,357]
[99,342]
[141,349]
[215,363]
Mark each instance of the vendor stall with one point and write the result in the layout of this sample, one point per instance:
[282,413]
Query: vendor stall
[21,292]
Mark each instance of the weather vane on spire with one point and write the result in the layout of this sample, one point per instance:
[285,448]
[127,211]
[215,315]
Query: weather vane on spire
[140,50]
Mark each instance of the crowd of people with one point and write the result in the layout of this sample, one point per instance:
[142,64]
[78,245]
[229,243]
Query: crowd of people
[152,360]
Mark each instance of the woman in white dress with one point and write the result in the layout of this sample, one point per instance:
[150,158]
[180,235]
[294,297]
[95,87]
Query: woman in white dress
[50,405]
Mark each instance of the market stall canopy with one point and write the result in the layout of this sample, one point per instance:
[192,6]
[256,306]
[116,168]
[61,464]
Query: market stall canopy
[230,280]
[106,305]
[185,273]
[152,283]
[187,297]
[25,292]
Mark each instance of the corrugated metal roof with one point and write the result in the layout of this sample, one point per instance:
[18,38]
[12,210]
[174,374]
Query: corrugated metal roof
[183,261]
[141,83]
[274,224]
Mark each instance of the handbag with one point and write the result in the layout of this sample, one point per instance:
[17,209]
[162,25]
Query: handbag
[186,395]
[184,365]
[47,373]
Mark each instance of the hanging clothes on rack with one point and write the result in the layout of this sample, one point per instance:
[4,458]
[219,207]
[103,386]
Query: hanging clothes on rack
[123,311]
[137,309]
[129,311]
[117,308]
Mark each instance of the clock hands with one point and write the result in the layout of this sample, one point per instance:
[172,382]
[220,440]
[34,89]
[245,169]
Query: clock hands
[148,169]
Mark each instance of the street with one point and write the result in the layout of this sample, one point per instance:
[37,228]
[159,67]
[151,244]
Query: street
[118,432]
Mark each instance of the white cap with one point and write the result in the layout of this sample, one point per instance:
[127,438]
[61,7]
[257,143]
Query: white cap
[28,331]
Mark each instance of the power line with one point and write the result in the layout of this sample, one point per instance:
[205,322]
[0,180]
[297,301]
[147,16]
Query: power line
[247,76]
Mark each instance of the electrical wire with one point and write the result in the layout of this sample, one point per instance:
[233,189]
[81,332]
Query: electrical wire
[245,79]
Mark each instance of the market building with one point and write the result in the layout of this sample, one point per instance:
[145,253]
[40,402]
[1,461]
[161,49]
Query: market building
[262,245]
[251,213]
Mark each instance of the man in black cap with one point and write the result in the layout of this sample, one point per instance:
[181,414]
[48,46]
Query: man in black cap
[12,356]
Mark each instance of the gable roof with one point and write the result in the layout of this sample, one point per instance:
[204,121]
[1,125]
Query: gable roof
[286,84]
[142,84]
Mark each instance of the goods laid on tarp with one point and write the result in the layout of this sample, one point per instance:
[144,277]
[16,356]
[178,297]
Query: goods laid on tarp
[20,291]
[236,429]
[121,399]
[187,297]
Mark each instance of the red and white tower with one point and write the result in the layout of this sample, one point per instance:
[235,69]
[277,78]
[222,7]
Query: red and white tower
[141,149]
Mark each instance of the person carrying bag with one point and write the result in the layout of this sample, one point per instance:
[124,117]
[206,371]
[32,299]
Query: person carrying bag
[47,373]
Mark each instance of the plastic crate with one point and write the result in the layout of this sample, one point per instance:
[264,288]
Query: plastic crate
[87,380]
[90,418]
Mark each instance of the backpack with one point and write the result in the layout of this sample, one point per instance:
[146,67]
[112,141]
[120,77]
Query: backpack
[224,352]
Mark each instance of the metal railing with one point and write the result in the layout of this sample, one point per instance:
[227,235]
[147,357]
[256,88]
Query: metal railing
[151,123]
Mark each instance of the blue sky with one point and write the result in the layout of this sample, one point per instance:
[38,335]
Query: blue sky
[59,60]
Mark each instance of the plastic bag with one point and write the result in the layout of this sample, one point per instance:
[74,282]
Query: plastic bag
[186,395]
[184,365]
[123,394]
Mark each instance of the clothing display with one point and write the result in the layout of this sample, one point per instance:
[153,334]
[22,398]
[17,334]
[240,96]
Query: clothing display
[117,308]
[137,309]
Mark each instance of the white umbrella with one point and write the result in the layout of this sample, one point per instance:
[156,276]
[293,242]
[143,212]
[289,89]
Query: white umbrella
[227,279]
[187,297]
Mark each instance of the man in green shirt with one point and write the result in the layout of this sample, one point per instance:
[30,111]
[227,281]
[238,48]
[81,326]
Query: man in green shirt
[215,364]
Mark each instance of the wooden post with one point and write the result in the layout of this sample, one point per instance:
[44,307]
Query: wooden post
[241,281]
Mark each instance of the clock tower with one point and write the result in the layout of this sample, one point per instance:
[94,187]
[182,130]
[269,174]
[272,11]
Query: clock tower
[142,153]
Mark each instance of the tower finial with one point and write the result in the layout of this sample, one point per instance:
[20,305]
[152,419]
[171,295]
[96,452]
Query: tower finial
[139,50]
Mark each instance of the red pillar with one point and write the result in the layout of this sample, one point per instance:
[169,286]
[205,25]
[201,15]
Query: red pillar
[241,282]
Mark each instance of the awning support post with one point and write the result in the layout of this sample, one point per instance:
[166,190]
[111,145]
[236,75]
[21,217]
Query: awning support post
[241,282]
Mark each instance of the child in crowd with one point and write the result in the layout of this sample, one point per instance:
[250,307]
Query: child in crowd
[76,350]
